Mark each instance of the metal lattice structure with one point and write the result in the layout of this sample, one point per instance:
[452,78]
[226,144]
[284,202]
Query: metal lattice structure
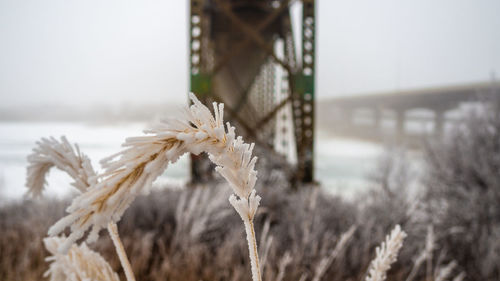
[243,53]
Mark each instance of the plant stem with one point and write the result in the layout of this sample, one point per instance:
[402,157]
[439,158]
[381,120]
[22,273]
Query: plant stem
[252,248]
[120,251]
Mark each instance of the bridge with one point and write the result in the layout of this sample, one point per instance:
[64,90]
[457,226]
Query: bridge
[243,53]
[393,107]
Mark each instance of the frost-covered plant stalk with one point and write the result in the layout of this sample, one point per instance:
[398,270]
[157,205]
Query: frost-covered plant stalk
[134,169]
[387,254]
[326,261]
[51,153]
[80,263]
[246,208]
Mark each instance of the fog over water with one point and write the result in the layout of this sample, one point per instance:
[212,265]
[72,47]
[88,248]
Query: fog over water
[341,164]
[89,61]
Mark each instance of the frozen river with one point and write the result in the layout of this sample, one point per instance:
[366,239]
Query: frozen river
[341,164]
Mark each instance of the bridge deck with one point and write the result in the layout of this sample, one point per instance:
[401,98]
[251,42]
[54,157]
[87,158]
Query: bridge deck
[437,98]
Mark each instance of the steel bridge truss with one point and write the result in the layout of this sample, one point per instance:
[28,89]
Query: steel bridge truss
[243,53]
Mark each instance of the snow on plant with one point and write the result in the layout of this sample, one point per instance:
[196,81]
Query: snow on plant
[105,197]
[134,169]
[51,153]
[444,272]
[48,153]
[387,254]
[80,263]
[327,261]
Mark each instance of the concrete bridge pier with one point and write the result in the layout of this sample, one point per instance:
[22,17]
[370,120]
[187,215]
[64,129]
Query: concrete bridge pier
[348,116]
[439,121]
[436,100]
[377,118]
[400,122]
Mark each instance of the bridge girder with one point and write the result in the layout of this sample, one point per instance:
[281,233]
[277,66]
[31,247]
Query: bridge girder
[435,99]
[236,57]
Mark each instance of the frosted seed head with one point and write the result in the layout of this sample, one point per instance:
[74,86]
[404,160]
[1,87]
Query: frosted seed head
[386,254]
[134,169]
[81,263]
[200,135]
[241,207]
[254,202]
[49,153]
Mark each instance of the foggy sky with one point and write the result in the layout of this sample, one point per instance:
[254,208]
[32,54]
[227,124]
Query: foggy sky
[115,52]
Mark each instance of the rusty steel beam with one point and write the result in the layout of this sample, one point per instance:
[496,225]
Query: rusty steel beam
[245,42]
[271,114]
[256,37]
[220,32]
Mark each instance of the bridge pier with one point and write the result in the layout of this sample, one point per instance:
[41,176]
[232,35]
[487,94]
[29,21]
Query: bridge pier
[438,100]
[400,122]
[439,122]
[348,117]
[377,117]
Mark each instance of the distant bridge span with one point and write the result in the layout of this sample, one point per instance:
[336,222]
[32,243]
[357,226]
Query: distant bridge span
[438,100]
[435,99]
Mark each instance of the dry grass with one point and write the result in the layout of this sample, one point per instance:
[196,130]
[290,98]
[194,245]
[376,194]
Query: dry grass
[191,235]
[105,197]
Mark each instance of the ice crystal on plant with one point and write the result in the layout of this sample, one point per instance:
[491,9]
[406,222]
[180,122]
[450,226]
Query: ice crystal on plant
[387,254]
[80,263]
[50,152]
[134,169]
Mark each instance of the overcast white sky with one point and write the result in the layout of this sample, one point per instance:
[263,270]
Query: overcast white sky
[115,51]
